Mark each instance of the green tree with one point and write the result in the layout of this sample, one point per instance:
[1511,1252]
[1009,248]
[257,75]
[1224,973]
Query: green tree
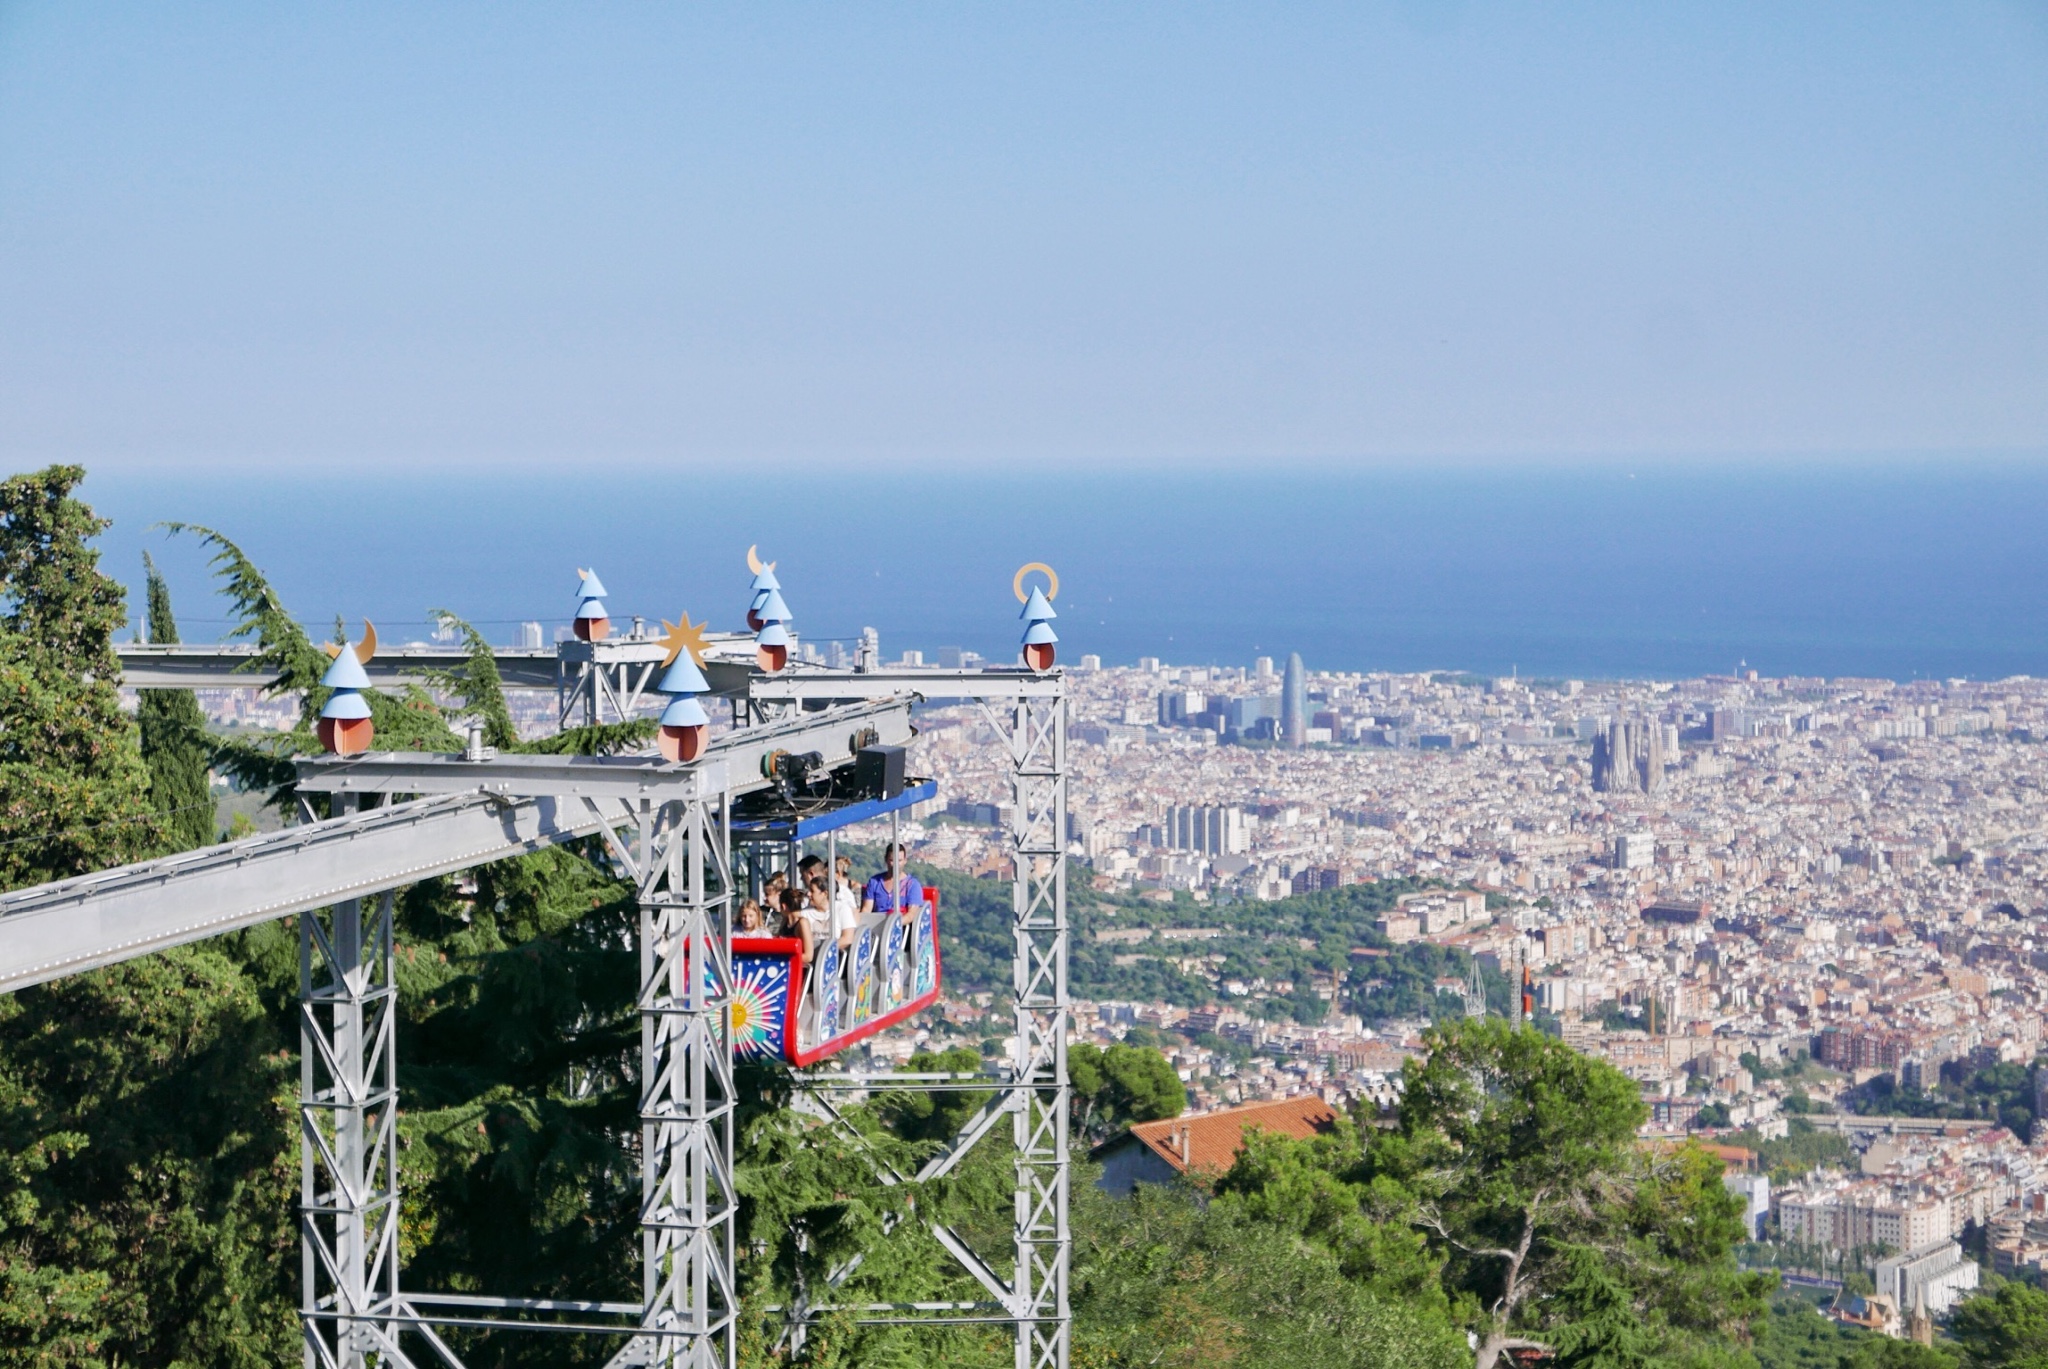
[933,1114]
[1513,1176]
[1120,1085]
[73,790]
[174,740]
[1164,1279]
[2003,1329]
[1882,1352]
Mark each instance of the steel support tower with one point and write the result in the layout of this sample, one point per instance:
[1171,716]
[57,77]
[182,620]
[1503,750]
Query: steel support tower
[689,1299]
[1028,712]
[348,1136]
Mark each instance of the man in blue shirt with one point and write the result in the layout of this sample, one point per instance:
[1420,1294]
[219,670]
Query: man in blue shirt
[890,891]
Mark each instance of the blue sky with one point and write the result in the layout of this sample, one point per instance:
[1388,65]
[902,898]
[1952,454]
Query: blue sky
[325,237]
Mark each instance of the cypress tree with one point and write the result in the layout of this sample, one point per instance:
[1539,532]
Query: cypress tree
[174,742]
[73,790]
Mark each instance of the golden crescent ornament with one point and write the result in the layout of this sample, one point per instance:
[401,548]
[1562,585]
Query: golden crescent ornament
[1051,575]
[754,560]
[368,646]
[333,650]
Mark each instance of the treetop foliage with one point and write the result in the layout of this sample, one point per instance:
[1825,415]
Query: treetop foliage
[175,744]
[73,789]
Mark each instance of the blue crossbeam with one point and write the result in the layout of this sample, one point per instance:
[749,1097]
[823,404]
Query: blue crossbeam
[818,824]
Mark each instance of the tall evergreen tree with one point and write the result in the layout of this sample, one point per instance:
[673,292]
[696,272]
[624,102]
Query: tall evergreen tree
[73,790]
[174,742]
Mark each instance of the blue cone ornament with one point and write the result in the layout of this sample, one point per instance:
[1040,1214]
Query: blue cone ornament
[771,638]
[344,727]
[592,623]
[684,723]
[1039,638]
[763,583]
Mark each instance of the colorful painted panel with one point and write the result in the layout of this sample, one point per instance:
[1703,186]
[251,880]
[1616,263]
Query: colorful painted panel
[828,991]
[760,1005]
[892,967]
[864,975]
[927,958]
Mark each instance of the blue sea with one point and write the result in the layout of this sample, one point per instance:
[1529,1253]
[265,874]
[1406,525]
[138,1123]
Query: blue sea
[1593,570]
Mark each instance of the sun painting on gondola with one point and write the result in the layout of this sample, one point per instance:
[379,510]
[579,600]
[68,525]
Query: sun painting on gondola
[759,997]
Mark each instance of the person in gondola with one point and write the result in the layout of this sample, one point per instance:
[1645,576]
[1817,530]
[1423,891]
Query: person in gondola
[750,922]
[895,888]
[812,919]
[845,903]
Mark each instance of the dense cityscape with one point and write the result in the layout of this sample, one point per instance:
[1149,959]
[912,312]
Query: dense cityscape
[1762,898]
[1770,901]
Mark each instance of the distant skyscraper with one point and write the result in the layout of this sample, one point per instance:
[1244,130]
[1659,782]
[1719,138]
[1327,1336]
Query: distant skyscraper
[530,636]
[1263,668]
[1294,703]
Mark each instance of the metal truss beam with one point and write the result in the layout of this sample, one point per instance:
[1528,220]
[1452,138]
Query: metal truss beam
[54,930]
[1035,1095]
[803,684]
[730,763]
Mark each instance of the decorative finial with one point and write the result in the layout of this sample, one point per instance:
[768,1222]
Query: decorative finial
[1039,638]
[684,722]
[763,585]
[768,616]
[345,728]
[593,623]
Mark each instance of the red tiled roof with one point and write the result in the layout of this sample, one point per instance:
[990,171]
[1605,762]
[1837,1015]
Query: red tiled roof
[1211,1142]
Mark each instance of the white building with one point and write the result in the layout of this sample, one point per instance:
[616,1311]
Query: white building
[1635,851]
[1937,1272]
[1756,1200]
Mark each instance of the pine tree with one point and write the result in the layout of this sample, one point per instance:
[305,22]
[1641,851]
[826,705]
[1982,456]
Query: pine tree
[174,741]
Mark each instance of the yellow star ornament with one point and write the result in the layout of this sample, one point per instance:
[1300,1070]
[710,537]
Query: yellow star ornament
[678,637]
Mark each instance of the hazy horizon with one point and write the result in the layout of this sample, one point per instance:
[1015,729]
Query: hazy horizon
[1927,569]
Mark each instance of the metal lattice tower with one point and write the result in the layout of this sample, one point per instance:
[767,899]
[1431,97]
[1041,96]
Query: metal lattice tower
[1038,761]
[348,1135]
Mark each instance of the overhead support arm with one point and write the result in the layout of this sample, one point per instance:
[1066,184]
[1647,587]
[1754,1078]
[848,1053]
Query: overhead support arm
[80,924]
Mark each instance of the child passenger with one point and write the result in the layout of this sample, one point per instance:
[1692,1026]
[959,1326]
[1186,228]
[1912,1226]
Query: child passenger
[811,918]
[750,920]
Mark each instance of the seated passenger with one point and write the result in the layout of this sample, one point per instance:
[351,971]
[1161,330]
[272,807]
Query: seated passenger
[750,921]
[845,905]
[895,888]
[812,919]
